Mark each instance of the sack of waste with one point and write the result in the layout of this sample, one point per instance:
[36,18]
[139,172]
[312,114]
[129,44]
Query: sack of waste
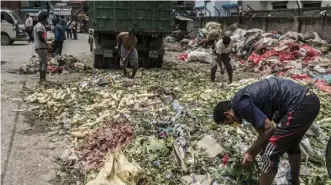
[200,56]
[213,35]
[214,26]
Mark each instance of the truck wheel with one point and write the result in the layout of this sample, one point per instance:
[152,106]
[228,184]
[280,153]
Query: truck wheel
[97,61]
[5,40]
[11,41]
[159,61]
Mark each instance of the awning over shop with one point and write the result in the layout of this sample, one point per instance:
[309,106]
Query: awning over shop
[229,6]
[183,18]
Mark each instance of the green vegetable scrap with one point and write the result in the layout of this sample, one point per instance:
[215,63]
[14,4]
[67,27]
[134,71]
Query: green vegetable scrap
[90,103]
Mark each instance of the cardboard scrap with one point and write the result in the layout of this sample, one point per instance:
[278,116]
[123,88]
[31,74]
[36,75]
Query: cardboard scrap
[201,179]
[211,146]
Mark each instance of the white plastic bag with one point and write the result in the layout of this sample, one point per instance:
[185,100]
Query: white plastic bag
[200,56]
[233,65]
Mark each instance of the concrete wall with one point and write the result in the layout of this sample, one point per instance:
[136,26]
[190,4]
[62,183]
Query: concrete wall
[283,24]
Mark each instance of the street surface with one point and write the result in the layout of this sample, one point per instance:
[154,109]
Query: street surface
[28,149]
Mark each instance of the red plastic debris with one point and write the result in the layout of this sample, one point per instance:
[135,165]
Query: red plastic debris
[182,56]
[225,160]
[300,76]
[54,69]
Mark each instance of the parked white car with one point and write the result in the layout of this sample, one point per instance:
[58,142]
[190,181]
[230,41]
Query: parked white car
[12,28]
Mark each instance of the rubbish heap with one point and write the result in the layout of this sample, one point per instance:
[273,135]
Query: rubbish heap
[160,130]
[299,56]
[56,64]
[304,56]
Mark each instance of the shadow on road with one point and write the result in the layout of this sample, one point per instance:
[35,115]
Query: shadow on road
[17,44]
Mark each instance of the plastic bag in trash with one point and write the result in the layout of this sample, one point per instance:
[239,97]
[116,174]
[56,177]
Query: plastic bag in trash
[118,170]
[238,34]
[234,26]
[228,33]
[309,152]
[233,65]
[201,56]
[308,35]
[290,34]
[283,176]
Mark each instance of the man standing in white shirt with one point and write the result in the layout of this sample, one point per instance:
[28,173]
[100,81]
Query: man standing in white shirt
[223,49]
[29,26]
[41,45]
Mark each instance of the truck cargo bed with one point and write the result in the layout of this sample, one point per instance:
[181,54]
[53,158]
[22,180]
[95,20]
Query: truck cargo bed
[142,16]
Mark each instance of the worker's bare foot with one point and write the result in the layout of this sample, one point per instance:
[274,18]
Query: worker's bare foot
[42,82]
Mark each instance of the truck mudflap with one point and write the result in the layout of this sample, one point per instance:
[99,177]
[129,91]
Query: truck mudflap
[155,55]
[105,58]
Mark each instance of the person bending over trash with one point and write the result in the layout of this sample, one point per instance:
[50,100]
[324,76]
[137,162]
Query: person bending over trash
[223,49]
[128,52]
[290,105]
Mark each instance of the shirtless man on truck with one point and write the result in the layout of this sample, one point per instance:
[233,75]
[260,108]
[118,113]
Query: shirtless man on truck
[128,41]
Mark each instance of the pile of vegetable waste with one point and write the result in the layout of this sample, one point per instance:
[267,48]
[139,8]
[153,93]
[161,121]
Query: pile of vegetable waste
[170,111]
[56,64]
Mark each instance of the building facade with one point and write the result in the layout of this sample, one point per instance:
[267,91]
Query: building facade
[276,5]
[214,8]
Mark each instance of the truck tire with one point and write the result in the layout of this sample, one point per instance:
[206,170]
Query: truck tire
[11,41]
[159,61]
[5,39]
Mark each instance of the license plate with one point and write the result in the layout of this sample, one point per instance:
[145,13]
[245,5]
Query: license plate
[153,54]
[108,53]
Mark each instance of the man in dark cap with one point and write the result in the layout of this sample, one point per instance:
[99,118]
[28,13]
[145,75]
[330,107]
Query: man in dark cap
[290,105]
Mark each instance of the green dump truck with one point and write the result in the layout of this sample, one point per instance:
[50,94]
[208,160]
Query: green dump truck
[151,20]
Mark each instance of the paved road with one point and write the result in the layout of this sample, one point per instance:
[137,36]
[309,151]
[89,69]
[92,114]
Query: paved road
[28,149]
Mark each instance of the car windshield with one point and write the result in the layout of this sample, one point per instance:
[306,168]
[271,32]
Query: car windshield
[18,20]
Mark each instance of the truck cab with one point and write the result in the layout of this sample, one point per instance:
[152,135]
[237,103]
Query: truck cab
[12,28]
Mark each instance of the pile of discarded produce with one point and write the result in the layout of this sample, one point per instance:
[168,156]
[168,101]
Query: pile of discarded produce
[175,140]
[57,64]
